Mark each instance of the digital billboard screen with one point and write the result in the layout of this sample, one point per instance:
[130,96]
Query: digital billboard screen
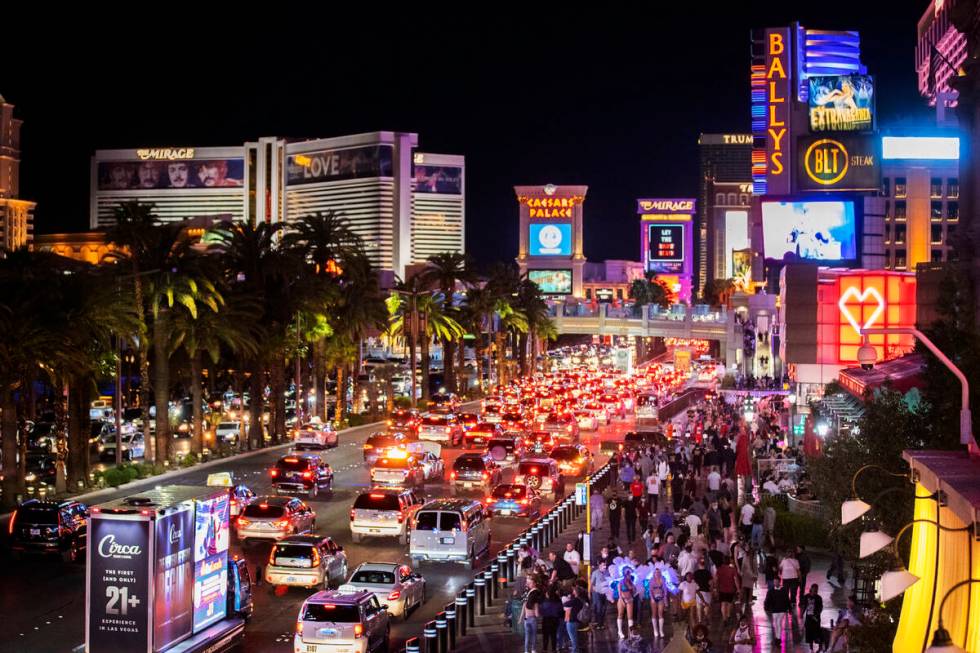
[182,174]
[841,103]
[552,282]
[550,239]
[173,611]
[809,230]
[439,179]
[119,567]
[666,242]
[210,560]
[335,165]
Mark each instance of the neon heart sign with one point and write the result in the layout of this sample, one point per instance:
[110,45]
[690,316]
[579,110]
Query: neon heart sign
[861,298]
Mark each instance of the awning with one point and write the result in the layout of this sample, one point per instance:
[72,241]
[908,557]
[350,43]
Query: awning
[903,373]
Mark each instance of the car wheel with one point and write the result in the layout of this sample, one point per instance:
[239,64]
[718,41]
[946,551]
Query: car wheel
[314,490]
[355,538]
[70,554]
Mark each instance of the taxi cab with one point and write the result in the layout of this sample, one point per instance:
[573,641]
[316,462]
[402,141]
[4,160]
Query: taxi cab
[342,621]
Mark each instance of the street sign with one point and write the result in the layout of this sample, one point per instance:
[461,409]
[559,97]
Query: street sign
[581,494]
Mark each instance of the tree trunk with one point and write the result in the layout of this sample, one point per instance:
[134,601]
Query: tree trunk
[341,408]
[412,368]
[256,400]
[61,441]
[278,419]
[461,364]
[13,480]
[522,340]
[78,428]
[319,405]
[425,369]
[161,386]
[479,363]
[144,363]
[501,358]
[197,396]
[449,364]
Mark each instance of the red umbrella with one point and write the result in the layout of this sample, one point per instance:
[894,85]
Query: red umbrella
[743,464]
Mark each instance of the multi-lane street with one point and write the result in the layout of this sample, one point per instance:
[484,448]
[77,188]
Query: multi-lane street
[43,599]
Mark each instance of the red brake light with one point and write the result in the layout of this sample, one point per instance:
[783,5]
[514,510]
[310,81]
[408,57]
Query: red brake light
[307,475]
[377,496]
[274,472]
[452,474]
[10,527]
[358,630]
[485,476]
[243,522]
[352,514]
[291,460]
[282,523]
[299,627]
[534,470]
[523,502]
[394,595]
[488,500]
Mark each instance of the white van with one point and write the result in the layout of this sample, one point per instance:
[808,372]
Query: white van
[449,530]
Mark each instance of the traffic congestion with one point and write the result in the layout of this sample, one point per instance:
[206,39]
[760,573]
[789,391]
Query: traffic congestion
[351,540]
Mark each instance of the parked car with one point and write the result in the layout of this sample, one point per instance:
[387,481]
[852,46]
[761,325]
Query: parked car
[228,431]
[133,446]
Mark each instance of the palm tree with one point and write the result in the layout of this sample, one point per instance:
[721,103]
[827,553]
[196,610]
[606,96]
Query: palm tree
[476,314]
[503,283]
[444,271]
[433,322]
[535,309]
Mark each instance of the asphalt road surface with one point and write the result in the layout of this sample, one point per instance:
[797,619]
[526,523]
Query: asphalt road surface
[42,600]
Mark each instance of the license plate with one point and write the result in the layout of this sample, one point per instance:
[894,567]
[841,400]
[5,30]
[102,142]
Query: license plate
[447,540]
[311,648]
[35,531]
[374,530]
[290,579]
[467,485]
[505,512]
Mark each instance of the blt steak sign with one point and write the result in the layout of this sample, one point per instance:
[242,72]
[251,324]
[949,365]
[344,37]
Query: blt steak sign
[120,553]
[844,163]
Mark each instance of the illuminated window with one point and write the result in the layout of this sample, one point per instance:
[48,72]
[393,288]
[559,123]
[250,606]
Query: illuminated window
[936,256]
[935,210]
[900,259]
[901,187]
[886,186]
[936,234]
[953,188]
[900,230]
[888,259]
[952,211]
[936,187]
[888,233]
[900,210]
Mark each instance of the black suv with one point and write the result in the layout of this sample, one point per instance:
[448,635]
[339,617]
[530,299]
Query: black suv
[50,527]
[475,471]
[299,473]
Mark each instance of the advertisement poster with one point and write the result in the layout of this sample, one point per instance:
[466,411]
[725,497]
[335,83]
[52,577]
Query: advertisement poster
[119,559]
[335,165]
[742,268]
[187,174]
[438,179]
[847,162]
[550,239]
[666,242]
[809,230]
[552,282]
[210,561]
[173,613]
[840,103]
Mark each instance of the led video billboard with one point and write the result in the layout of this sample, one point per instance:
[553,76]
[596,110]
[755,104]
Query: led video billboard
[550,239]
[808,230]
[210,561]
[552,282]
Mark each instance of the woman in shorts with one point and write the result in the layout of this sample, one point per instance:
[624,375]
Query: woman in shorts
[627,591]
[658,601]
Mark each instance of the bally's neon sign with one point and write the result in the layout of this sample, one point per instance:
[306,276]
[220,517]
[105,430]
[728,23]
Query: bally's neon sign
[165,154]
[777,109]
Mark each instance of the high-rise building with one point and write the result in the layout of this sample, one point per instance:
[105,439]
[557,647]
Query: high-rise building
[936,67]
[16,215]
[405,205]
[726,191]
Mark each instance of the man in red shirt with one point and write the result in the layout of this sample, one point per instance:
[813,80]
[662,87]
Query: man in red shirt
[728,583]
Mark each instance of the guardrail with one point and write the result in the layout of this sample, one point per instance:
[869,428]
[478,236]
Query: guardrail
[446,631]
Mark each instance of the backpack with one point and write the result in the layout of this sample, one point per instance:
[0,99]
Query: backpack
[584,615]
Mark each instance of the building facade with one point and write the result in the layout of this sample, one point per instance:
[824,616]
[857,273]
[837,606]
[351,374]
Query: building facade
[405,205]
[940,51]
[610,281]
[550,245]
[725,186]
[16,214]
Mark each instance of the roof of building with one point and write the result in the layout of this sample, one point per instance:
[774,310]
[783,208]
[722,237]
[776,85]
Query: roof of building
[954,472]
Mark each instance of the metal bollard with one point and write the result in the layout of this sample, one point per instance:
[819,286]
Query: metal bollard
[461,611]
[431,636]
[481,593]
[441,627]
[495,577]
[511,560]
[413,645]
[536,537]
[451,623]
[502,564]
[488,580]
[471,604]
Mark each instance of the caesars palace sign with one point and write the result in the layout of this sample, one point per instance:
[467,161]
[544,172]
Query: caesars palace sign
[551,207]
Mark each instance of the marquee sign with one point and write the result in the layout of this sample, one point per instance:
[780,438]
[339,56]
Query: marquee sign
[550,207]
[665,206]
[165,154]
[841,103]
[777,111]
[841,162]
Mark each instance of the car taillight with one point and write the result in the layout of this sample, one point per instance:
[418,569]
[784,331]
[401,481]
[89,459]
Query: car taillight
[316,558]
[307,475]
[485,476]
[243,522]
[273,472]
[10,527]
[299,627]
[523,502]
[358,630]
[394,595]
[488,500]
[272,556]
[452,475]
[281,524]
[401,518]
[368,446]
[352,514]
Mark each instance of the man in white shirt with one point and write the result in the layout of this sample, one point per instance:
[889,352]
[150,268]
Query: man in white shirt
[687,562]
[789,572]
[745,519]
[572,557]
[714,481]
[694,523]
[770,487]
[653,492]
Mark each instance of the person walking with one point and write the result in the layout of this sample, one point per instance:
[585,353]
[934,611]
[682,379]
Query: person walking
[728,582]
[748,571]
[658,602]
[597,510]
[653,490]
[643,515]
[551,618]
[630,510]
[601,591]
[789,573]
[615,516]
[812,606]
[777,605]
[803,560]
[624,604]
[529,614]
[742,639]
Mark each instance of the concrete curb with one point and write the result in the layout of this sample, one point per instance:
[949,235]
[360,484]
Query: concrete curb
[156,480]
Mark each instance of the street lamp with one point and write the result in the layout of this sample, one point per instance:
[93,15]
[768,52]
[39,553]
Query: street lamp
[854,507]
[941,641]
[867,354]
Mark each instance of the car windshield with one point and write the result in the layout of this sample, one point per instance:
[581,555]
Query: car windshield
[564,454]
[38,515]
[373,577]
[435,420]
[507,443]
[228,425]
[532,468]
[393,463]
[376,501]
[427,521]
[293,464]
[341,614]
[509,492]
[294,551]
[382,441]
[468,463]
[264,511]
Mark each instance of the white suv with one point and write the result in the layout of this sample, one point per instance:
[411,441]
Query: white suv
[383,512]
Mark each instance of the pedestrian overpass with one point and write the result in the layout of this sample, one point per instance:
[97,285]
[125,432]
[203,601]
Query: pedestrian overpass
[700,322]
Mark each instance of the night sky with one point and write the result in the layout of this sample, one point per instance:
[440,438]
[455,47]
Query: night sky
[613,102]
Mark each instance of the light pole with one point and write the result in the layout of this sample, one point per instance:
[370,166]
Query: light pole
[868,354]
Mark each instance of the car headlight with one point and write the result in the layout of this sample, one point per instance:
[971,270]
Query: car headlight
[30,477]
[101,448]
